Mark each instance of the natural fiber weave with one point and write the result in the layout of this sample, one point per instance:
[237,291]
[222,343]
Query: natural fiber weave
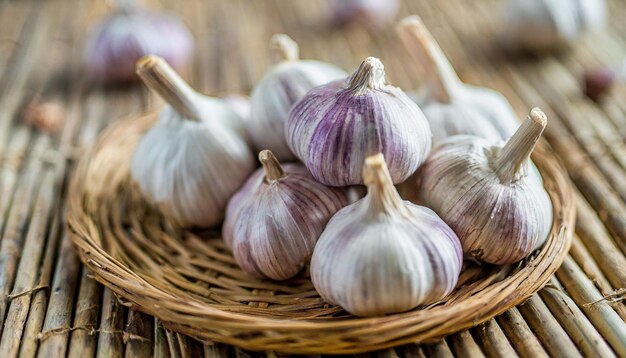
[192,283]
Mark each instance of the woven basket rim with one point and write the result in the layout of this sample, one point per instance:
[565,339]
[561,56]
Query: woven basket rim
[292,335]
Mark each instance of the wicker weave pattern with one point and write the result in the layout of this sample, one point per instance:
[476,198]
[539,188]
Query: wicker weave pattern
[191,282]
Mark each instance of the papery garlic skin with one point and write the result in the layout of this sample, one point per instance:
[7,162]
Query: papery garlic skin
[282,86]
[543,25]
[492,196]
[240,104]
[382,255]
[451,106]
[180,163]
[122,38]
[274,221]
[336,126]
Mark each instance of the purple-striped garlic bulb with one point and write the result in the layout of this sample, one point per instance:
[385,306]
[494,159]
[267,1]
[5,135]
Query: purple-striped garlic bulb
[492,196]
[191,162]
[128,34]
[451,106]
[274,221]
[383,255]
[336,126]
[372,13]
[283,85]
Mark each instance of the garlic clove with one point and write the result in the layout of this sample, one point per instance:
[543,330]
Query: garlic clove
[492,196]
[131,32]
[336,126]
[274,221]
[451,106]
[283,85]
[180,163]
[382,255]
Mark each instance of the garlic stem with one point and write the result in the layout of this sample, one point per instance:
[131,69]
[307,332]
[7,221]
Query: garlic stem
[383,195]
[369,76]
[421,45]
[271,166]
[516,152]
[161,78]
[284,48]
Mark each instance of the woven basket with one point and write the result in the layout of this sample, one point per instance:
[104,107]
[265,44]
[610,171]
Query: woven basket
[192,283]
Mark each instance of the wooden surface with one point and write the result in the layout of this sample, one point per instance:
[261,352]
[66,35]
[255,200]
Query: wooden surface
[51,307]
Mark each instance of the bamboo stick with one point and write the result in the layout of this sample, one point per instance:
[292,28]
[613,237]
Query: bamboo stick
[571,318]
[589,266]
[13,238]
[439,349]
[463,345]
[83,341]
[555,340]
[56,328]
[590,301]
[28,269]
[492,340]
[161,348]
[522,338]
[138,335]
[110,333]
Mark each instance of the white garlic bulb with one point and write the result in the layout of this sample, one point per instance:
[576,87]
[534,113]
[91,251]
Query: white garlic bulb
[181,163]
[383,255]
[274,221]
[282,86]
[130,33]
[492,196]
[336,126]
[240,104]
[451,106]
[541,25]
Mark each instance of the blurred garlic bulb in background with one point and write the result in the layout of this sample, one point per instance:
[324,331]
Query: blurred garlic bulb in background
[181,163]
[131,32]
[366,12]
[490,195]
[336,126]
[274,221]
[283,85]
[451,106]
[542,25]
[240,104]
[384,255]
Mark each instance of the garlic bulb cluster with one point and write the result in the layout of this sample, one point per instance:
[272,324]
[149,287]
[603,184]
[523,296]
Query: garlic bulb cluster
[451,106]
[282,86]
[240,104]
[375,13]
[491,195]
[541,25]
[191,161]
[383,255]
[336,126]
[274,221]
[130,33]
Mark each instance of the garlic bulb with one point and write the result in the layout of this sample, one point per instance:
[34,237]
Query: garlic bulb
[383,255]
[240,104]
[451,106]
[540,25]
[274,221]
[336,126]
[130,33]
[367,12]
[492,196]
[190,162]
[282,86]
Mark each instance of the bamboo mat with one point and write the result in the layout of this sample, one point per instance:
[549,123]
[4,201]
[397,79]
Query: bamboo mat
[51,307]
